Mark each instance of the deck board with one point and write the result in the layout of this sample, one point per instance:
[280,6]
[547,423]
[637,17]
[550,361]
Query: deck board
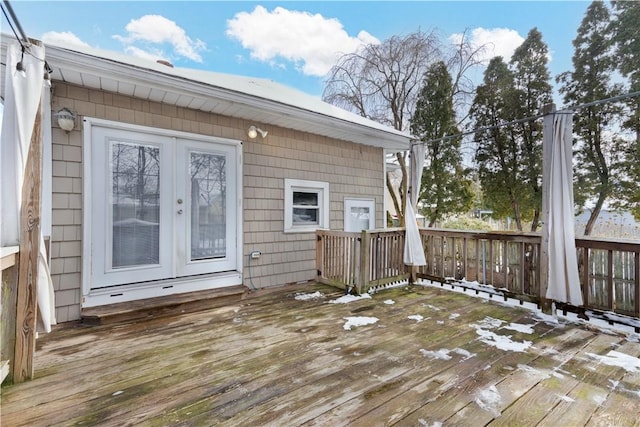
[272,360]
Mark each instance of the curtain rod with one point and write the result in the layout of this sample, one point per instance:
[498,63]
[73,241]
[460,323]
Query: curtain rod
[15,21]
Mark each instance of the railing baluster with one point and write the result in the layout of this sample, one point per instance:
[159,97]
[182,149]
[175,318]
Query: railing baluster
[586,295]
[505,264]
[610,293]
[522,267]
[463,259]
[636,284]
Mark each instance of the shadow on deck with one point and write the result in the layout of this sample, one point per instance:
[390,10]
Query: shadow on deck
[432,356]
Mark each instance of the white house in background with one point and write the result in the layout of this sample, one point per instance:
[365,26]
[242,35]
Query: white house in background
[158,189]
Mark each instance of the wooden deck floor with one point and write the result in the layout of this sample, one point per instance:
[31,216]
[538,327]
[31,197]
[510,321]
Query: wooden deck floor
[274,360]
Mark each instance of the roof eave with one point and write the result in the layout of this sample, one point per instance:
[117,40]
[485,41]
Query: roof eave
[63,59]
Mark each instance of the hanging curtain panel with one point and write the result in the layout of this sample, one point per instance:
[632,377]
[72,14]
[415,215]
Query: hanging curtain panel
[413,250]
[23,93]
[564,282]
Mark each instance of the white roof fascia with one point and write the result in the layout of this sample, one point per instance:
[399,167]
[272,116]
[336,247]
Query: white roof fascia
[199,84]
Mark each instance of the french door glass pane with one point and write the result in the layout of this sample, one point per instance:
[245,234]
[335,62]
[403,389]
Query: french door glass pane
[208,206]
[135,204]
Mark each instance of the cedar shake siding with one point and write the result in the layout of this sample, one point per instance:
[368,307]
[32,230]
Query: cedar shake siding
[352,170]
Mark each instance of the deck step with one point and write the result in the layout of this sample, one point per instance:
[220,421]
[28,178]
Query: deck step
[169,305]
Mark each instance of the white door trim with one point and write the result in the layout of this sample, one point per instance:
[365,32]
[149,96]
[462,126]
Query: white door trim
[128,292]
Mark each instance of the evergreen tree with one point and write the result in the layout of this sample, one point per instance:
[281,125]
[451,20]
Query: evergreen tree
[626,36]
[497,155]
[590,80]
[532,92]
[445,188]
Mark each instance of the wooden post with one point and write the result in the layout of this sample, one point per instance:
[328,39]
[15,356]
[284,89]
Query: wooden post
[365,260]
[547,141]
[319,256]
[26,304]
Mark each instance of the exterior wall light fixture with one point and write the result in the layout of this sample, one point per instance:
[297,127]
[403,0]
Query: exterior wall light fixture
[66,119]
[253,132]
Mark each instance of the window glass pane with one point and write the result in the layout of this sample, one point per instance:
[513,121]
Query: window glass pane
[304,216]
[359,217]
[301,198]
[208,206]
[135,204]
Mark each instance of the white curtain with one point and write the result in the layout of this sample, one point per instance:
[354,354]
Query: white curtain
[564,281]
[413,250]
[23,92]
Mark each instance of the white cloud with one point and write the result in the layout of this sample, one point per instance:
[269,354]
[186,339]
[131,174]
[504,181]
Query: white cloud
[497,41]
[153,30]
[62,38]
[312,42]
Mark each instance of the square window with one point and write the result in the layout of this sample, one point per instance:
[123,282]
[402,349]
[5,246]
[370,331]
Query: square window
[359,214]
[306,205]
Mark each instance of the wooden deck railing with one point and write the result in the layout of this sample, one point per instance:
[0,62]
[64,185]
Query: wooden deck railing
[360,260]
[609,269]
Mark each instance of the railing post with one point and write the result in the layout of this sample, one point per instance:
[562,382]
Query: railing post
[26,302]
[363,282]
[319,254]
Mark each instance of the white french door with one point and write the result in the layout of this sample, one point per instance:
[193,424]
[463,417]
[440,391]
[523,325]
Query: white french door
[162,206]
[205,208]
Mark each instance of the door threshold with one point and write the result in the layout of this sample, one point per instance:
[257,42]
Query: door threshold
[169,305]
[149,290]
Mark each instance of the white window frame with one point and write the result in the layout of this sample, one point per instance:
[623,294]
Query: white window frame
[297,185]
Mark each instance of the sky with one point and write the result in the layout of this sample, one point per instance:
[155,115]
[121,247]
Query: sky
[293,43]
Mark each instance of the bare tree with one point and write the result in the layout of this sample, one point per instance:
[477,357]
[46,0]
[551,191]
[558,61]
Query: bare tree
[464,57]
[382,82]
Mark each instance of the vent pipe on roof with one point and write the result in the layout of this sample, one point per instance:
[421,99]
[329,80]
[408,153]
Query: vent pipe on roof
[164,62]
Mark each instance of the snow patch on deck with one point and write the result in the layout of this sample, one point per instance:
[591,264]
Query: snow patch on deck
[502,342]
[445,353]
[489,399]
[307,297]
[346,299]
[358,321]
[615,358]
[519,327]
